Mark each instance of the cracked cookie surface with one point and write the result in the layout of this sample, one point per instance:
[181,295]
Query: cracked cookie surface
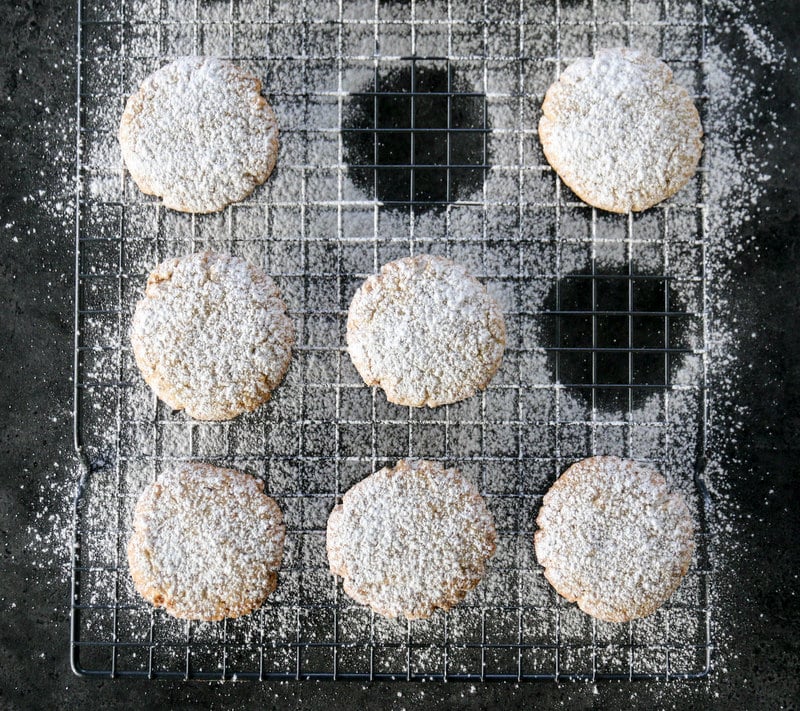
[425,331]
[613,538]
[199,134]
[410,539]
[619,131]
[206,542]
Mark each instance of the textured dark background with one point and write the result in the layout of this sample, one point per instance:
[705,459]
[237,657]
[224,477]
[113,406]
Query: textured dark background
[759,664]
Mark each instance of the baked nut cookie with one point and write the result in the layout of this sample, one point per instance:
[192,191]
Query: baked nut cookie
[613,538]
[425,331]
[206,543]
[211,335]
[410,539]
[199,134]
[619,132]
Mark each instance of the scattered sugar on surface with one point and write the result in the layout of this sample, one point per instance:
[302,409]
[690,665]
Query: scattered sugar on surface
[128,463]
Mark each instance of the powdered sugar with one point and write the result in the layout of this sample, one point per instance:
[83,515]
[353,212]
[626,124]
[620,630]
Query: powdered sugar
[199,134]
[206,543]
[425,331]
[320,237]
[211,335]
[410,539]
[619,131]
[613,538]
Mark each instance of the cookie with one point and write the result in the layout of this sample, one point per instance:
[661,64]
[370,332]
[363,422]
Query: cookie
[613,538]
[211,335]
[199,134]
[410,539]
[206,543]
[619,132]
[425,331]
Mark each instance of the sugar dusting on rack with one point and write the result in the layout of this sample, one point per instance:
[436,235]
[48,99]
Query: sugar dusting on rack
[311,219]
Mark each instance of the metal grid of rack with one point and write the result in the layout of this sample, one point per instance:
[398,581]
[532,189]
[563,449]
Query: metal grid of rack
[605,314]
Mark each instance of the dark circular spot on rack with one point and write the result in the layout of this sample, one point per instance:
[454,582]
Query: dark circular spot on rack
[416,136]
[615,337]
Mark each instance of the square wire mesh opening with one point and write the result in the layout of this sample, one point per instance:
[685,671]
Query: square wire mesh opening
[320,232]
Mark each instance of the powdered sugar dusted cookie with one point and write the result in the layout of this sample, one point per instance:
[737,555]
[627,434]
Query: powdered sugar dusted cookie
[410,539]
[206,543]
[613,538]
[619,132]
[199,134]
[212,335]
[425,331]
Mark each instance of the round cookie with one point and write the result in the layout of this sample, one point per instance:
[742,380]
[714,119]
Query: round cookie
[425,331]
[613,538]
[410,539]
[199,134]
[211,335]
[619,132]
[206,543]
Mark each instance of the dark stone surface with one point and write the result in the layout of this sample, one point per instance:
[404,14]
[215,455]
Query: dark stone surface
[760,666]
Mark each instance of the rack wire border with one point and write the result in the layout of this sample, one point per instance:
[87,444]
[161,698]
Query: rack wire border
[87,468]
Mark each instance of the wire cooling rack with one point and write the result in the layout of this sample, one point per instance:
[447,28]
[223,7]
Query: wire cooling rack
[405,128]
